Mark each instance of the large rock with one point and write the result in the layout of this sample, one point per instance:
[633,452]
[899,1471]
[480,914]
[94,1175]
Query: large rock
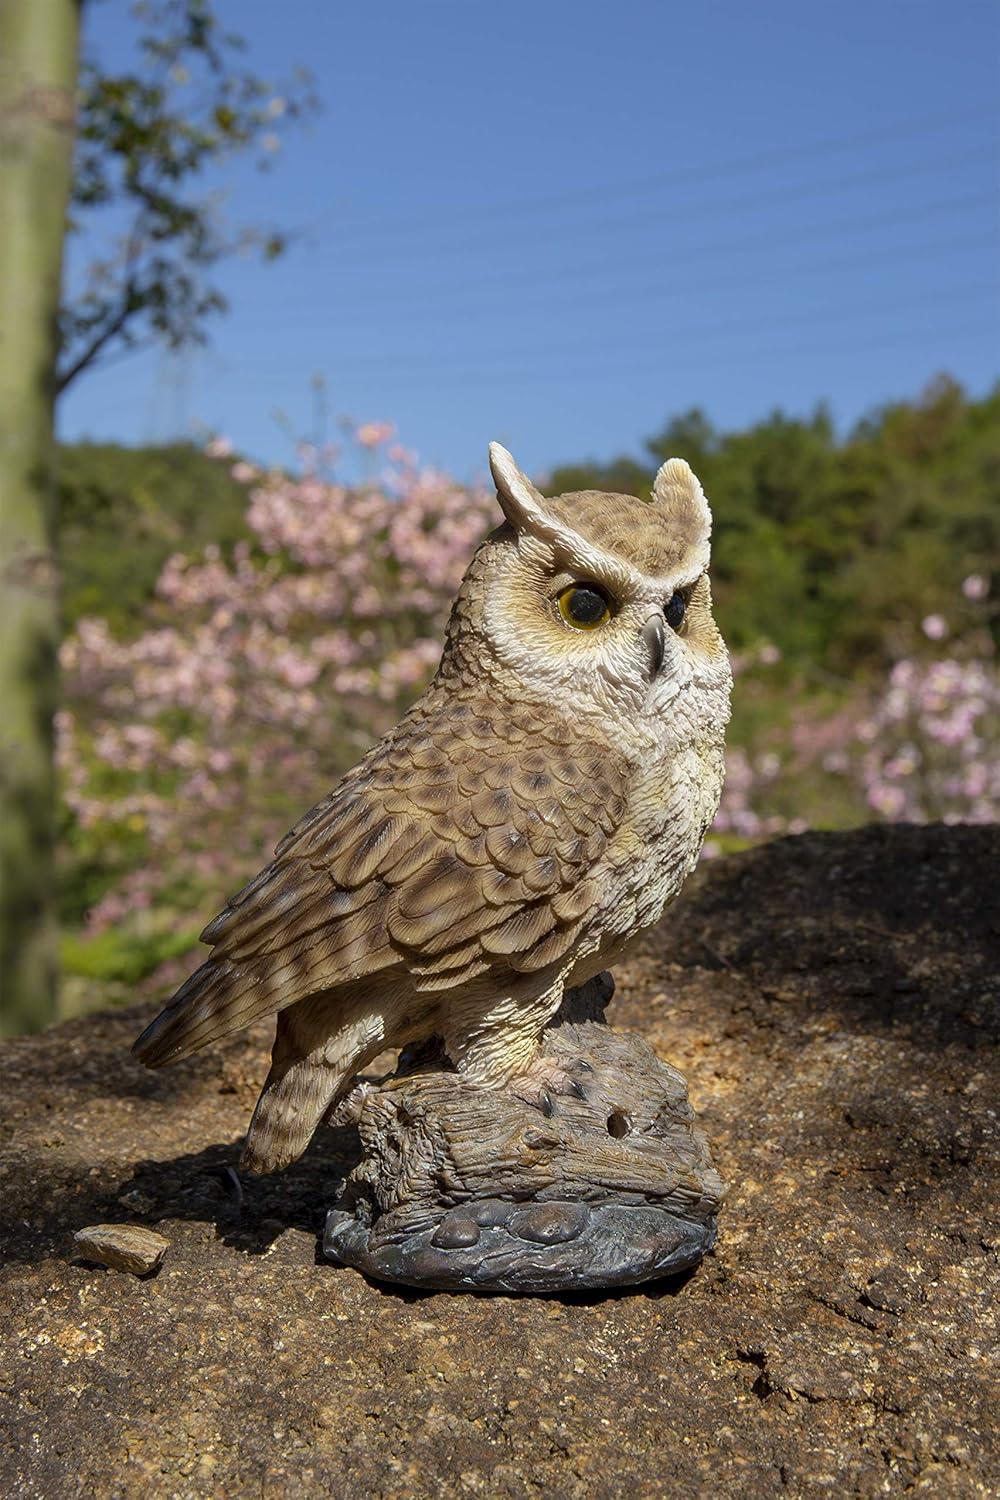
[832,1000]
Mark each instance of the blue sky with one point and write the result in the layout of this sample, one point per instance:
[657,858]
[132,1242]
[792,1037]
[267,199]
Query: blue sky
[557,224]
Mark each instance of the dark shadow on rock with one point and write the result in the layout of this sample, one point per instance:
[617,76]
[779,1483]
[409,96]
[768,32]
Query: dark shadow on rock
[666,1286]
[654,1291]
[895,928]
[249,1213]
[92,1059]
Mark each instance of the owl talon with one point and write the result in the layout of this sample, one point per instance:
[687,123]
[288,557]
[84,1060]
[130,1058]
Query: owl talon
[347,1109]
[542,1083]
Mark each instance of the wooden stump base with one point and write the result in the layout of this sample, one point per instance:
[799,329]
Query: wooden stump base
[463,1188]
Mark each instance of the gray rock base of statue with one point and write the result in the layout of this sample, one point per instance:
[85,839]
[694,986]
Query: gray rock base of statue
[462,1188]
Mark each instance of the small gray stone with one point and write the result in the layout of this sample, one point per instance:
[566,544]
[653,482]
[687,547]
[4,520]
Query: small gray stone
[489,1212]
[550,1223]
[456,1231]
[121,1247]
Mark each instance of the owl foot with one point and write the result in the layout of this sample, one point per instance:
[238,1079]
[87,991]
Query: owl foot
[347,1109]
[543,1081]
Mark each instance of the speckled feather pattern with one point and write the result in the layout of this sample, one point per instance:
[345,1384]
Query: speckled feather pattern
[534,809]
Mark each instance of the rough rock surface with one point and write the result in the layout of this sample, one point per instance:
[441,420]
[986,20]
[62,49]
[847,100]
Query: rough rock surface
[832,1000]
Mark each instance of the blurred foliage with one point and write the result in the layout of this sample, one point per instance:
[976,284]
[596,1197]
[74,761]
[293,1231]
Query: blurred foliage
[125,510]
[832,547]
[149,138]
[125,955]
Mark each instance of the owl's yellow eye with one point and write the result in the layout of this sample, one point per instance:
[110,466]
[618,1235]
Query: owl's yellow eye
[584,606]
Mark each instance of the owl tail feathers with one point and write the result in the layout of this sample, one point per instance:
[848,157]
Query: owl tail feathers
[219,998]
[301,1089]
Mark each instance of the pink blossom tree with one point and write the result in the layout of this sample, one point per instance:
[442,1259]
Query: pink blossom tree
[261,675]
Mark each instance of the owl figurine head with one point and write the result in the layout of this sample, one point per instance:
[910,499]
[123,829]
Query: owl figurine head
[601,603]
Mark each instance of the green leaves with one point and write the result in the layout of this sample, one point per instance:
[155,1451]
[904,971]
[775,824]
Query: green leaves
[150,143]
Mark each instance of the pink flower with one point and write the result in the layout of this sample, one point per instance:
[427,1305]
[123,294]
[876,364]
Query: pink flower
[975,586]
[935,627]
[371,434]
[887,800]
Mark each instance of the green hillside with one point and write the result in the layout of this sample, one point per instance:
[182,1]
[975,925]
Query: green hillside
[124,511]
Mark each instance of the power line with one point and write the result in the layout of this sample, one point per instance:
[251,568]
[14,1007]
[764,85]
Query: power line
[700,172]
[699,329]
[654,292]
[767,241]
[489,375]
[667,265]
[674,211]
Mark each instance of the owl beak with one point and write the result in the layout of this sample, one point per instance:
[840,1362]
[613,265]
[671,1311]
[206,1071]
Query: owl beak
[654,633]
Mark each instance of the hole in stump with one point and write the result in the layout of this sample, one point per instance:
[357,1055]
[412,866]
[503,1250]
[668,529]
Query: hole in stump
[618,1124]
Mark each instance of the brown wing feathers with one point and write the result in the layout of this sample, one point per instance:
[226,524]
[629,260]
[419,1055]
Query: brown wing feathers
[456,847]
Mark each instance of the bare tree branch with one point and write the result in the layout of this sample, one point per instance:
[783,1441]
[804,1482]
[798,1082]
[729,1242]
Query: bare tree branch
[104,335]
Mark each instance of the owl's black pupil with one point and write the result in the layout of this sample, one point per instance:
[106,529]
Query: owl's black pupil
[674,611]
[586,606]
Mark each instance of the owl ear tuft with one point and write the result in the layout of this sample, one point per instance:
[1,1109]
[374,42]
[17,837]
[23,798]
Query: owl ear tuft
[529,513]
[677,491]
[523,505]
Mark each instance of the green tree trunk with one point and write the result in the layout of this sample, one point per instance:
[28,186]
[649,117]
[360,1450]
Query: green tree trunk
[38,62]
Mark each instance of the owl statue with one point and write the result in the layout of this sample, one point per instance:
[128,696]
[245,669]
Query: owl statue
[537,807]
